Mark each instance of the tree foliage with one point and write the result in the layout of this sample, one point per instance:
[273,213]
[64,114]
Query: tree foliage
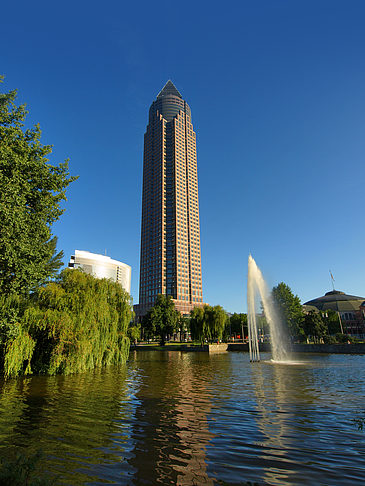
[314,327]
[332,320]
[184,326]
[198,324]
[289,309]
[162,319]
[217,319]
[134,332]
[207,323]
[238,324]
[55,263]
[72,325]
[31,190]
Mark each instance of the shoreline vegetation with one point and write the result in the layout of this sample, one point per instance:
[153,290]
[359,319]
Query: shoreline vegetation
[49,322]
[209,324]
[73,324]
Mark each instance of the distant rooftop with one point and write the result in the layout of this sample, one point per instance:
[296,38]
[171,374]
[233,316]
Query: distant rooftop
[97,257]
[335,295]
[336,300]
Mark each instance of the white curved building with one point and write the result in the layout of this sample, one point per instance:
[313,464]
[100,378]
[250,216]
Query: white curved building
[101,266]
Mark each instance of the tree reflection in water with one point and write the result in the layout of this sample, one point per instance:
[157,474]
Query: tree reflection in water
[80,422]
[147,423]
[192,418]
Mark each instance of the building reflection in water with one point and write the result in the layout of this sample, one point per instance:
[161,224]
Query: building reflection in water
[143,423]
[191,418]
[171,428]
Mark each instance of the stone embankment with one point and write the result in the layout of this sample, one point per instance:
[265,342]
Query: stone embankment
[210,348]
[358,348]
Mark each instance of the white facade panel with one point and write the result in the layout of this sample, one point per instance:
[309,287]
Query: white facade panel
[101,266]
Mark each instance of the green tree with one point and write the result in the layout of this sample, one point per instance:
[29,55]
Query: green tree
[314,327]
[331,318]
[74,324]
[162,319]
[148,330]
[55,263]
[31,190]
[238,324]
[198,325]
[134,331]
[262,323]
[183,326]
[207,323]
[216,319]
[289,309]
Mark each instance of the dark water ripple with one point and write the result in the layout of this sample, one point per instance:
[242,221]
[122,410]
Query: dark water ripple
[193,418]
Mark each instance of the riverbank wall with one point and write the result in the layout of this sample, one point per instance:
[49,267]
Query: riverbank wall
[358,348]
[210,348]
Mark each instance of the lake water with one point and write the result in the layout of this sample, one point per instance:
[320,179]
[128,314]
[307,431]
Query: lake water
[194,418]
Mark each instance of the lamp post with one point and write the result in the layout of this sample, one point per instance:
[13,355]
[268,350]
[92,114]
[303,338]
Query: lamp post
[339,317]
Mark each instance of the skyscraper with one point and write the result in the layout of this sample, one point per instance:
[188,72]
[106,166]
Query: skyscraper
[170,237]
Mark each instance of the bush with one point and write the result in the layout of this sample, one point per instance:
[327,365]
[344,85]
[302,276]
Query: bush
[330,339]
[342,338]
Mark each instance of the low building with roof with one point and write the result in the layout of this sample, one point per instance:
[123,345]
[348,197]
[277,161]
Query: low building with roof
[350,308]
[101,266]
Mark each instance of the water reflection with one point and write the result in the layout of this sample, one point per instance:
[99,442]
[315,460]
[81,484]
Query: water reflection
[298,423]
[172,431]
[275,420]
[71,419]
[193,418]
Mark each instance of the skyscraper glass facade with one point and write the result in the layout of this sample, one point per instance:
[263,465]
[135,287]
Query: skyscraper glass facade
[170,238]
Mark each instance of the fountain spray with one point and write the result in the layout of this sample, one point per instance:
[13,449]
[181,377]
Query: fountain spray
[257,285]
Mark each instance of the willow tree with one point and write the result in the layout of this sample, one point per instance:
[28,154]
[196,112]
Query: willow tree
[74,324]
[198,324]
[217,319]
[207,323]
[31,190]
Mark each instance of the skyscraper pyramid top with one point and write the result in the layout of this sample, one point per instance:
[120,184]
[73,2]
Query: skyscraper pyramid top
[169,89]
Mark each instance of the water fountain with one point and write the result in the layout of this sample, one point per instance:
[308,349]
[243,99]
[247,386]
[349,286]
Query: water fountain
[256,285]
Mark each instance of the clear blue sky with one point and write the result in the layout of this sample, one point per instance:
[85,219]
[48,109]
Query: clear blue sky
[277,92]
